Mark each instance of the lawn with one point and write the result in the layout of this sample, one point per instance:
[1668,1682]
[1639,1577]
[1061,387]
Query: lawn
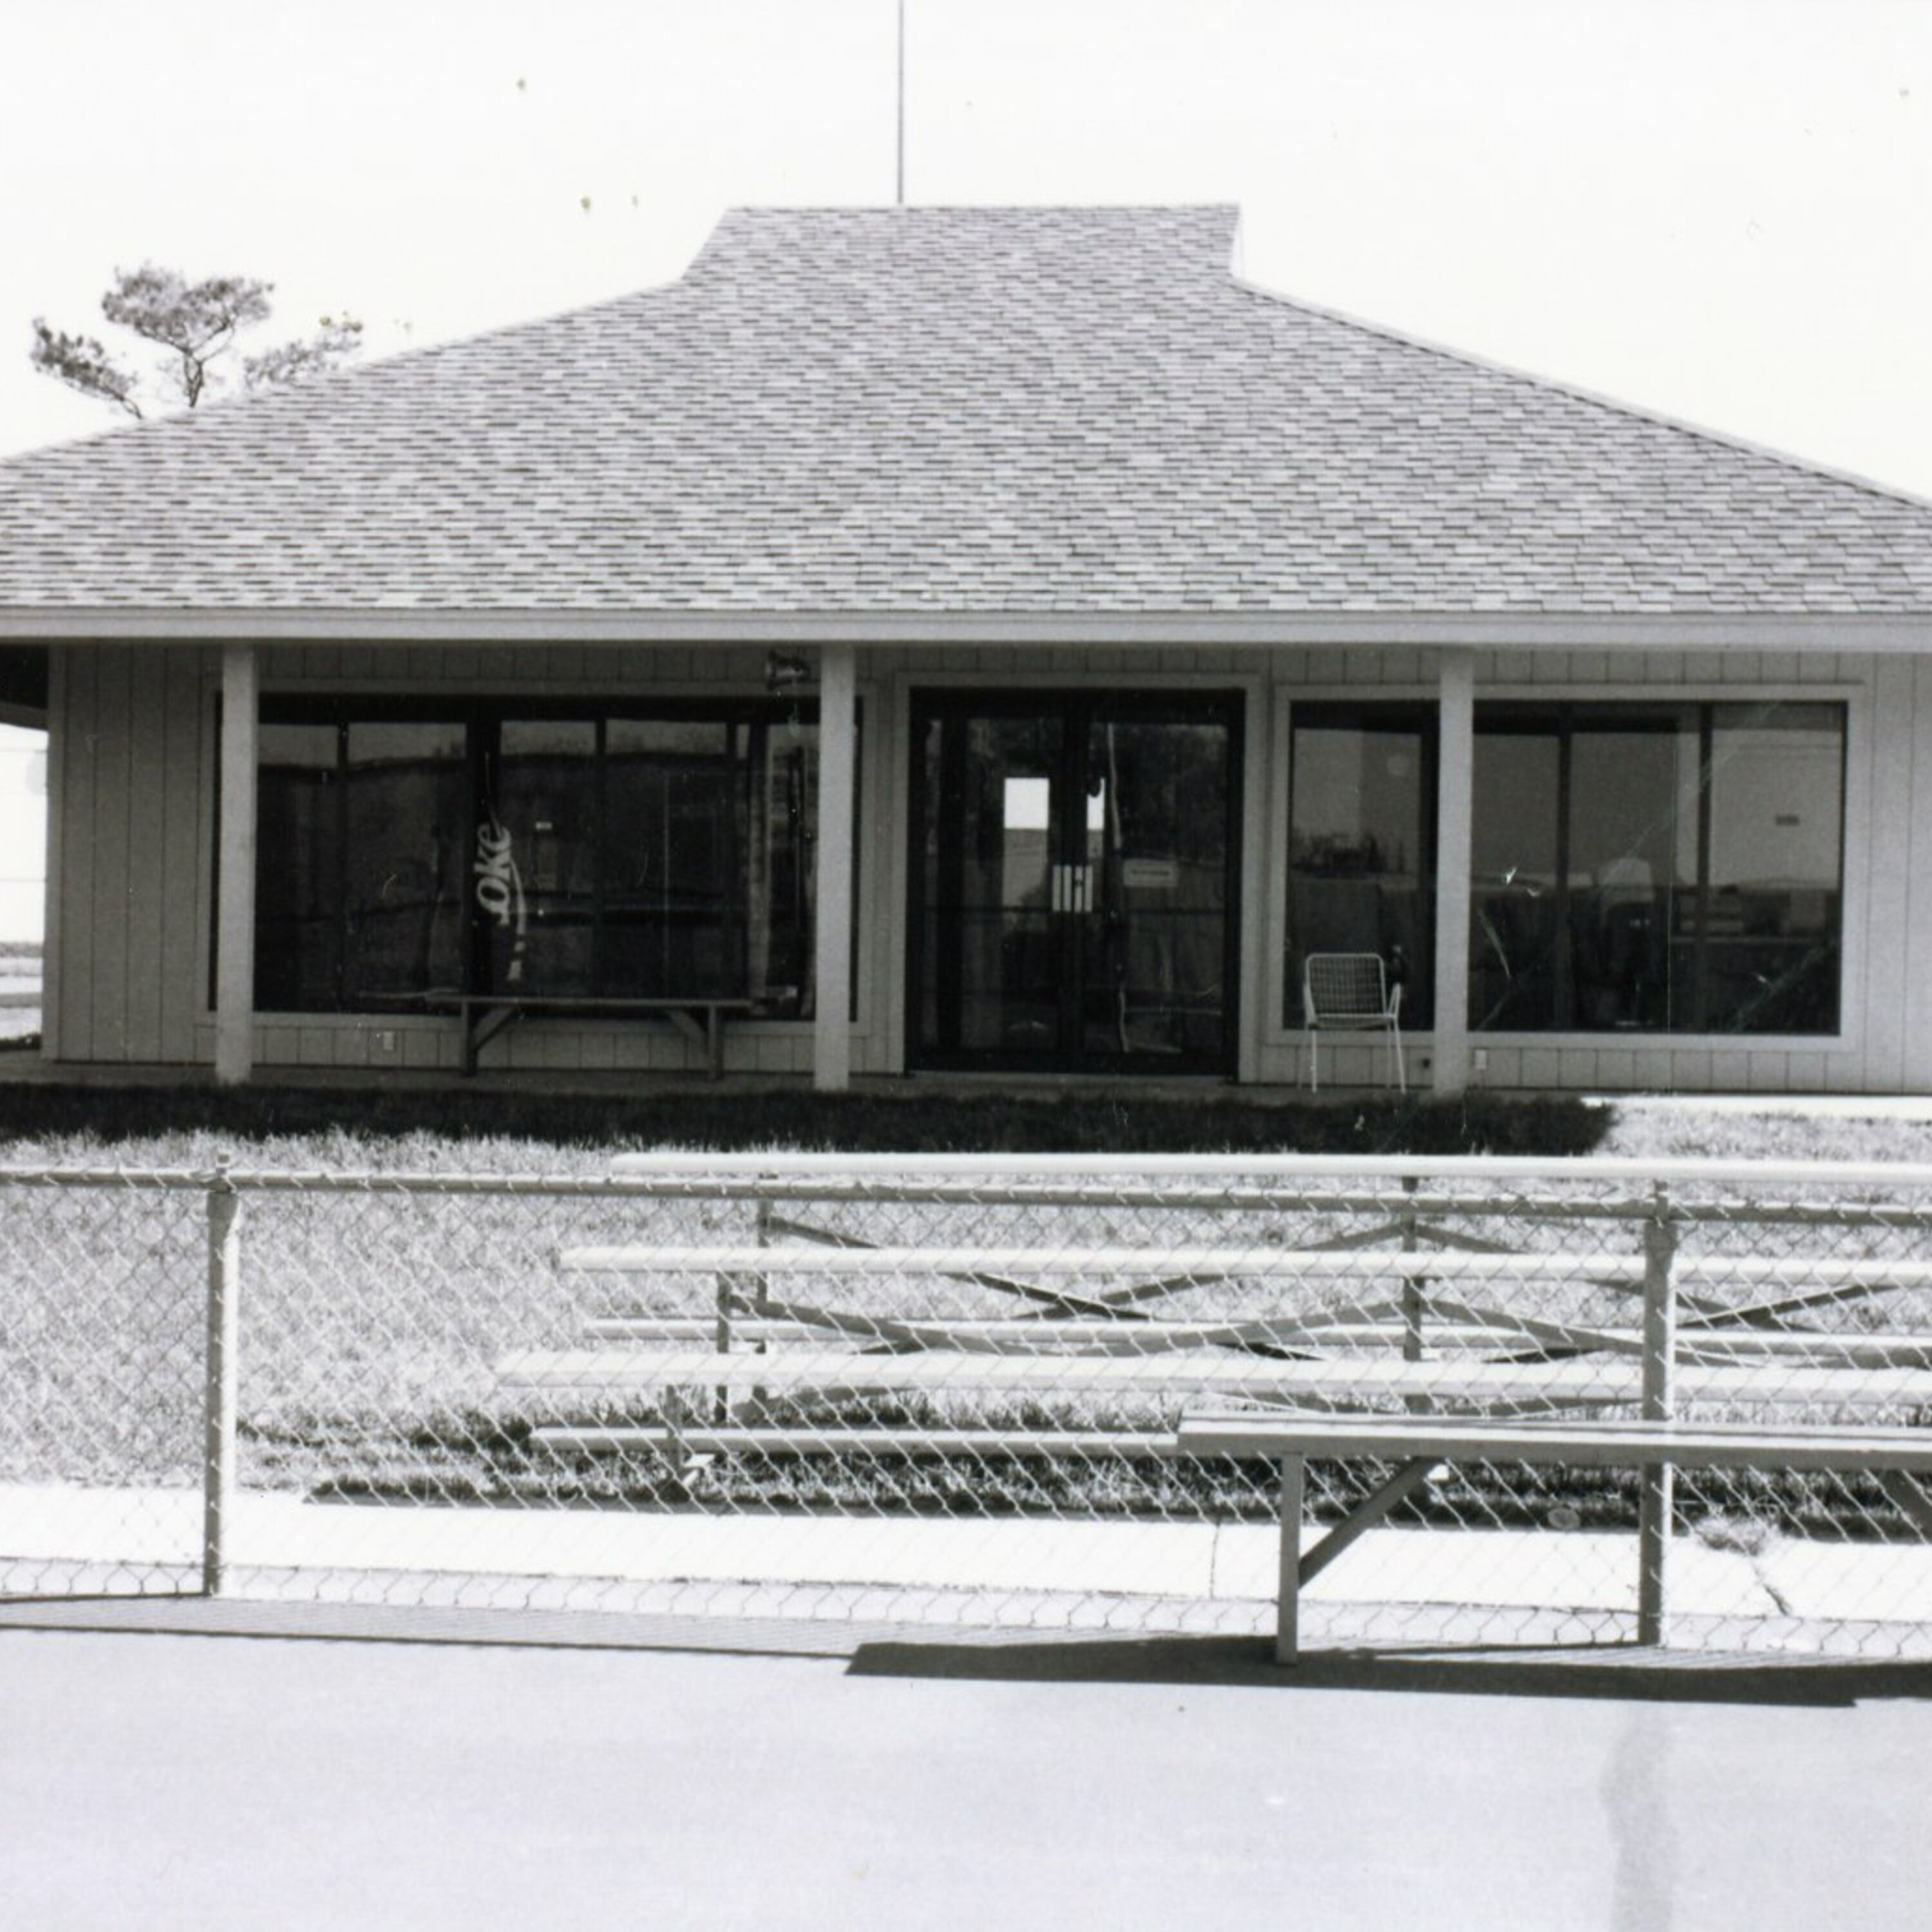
[493,1130]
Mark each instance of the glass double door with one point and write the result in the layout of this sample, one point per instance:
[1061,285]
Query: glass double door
[1073,873]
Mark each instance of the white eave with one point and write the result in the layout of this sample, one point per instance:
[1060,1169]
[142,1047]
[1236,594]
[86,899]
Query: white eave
[1504,630]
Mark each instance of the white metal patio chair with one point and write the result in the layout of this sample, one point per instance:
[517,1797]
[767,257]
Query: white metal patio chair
[1349,992]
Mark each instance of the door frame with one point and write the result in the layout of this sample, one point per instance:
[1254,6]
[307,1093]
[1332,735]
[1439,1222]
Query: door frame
[1227,700]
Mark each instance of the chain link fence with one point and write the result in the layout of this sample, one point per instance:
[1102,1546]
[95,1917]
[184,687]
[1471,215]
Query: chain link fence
[947,1391]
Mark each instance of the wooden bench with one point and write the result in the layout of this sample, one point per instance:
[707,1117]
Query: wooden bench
[1418,1443]
[482,1016]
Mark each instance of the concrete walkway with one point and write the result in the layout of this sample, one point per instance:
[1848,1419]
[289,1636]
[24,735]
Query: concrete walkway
[1133,1573]
[172,1783]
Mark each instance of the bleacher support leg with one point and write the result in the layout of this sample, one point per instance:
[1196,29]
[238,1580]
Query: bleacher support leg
[1287,1614]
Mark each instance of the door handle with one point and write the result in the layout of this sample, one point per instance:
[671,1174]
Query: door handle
[1073,889]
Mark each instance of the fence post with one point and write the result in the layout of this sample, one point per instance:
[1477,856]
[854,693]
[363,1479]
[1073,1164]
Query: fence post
[761,1296]
[1413,1287]
[224,1292]
[1658,1481]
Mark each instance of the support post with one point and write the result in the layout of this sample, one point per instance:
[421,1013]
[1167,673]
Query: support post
[1658,1481]
[838,784]
[1287,1600]
[235,911]
[1413,1287]
[1455,792]
[761,1294]
[222,1368]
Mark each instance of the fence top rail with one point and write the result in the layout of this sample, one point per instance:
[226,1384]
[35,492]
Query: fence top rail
[1583,1169]
[1018,1174]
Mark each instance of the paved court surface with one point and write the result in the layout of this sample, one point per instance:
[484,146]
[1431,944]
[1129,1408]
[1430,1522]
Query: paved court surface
[213,1781]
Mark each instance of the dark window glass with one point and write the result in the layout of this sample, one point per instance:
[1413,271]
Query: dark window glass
[674,894]
[1633,853]
[406,819]
[1769,922]
[299,937]
[1516,858]
[587,856]
[1361,837]
[1156,848]
[1668,869]
[781,874]
[537,858]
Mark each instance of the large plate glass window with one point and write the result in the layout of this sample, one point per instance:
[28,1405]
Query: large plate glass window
[580,853]
[362,829]
[1672,868]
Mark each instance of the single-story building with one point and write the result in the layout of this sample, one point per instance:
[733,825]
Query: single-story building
[973,639]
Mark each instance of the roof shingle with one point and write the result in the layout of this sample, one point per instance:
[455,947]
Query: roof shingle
[1006,411]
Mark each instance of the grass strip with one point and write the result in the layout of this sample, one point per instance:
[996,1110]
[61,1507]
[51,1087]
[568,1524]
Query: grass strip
[911,1123]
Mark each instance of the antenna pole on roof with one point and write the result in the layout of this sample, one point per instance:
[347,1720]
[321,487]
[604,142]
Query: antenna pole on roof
[899,198]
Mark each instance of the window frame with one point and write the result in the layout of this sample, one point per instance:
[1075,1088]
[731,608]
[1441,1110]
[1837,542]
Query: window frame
[1420,716]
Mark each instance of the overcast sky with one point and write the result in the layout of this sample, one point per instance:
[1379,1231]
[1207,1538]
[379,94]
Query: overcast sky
[1719,211]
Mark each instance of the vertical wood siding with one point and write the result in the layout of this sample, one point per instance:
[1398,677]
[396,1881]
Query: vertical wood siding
[128,890]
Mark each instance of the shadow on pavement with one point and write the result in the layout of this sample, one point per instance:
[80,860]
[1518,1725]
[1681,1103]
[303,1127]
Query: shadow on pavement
[1629,1673]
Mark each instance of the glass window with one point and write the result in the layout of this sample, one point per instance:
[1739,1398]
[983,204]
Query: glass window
[360,832]
[1769,922]
[1669,868]
[299,937]
[406,821]
[537,858]
[596,855]
[781,854]
[1516,860]
[673,896]
[1361,838]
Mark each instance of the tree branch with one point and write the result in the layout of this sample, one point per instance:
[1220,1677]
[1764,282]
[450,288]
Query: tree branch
[82,363]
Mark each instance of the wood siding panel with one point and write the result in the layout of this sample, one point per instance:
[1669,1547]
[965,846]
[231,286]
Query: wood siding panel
[52,975]
[79,858]
[146,895]
[126,887]
[111,804]
[112,822]
[187,839]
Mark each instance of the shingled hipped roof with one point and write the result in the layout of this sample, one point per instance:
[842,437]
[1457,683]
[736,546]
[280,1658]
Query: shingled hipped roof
[1009,411]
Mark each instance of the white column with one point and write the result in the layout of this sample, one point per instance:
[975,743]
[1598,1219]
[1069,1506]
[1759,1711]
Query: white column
[837,774]
[1454,820]
[235,909]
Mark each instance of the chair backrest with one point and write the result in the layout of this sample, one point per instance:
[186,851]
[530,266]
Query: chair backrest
[1339,986]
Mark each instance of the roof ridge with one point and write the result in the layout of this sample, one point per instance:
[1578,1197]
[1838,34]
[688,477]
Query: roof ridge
[1187,207]
[1581,392]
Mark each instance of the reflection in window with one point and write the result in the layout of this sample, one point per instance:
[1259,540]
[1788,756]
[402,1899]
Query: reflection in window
[359,882]
[537,839]
[567,856]
[1765,932]
[1361,816]
[298,895]
[1671,869]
